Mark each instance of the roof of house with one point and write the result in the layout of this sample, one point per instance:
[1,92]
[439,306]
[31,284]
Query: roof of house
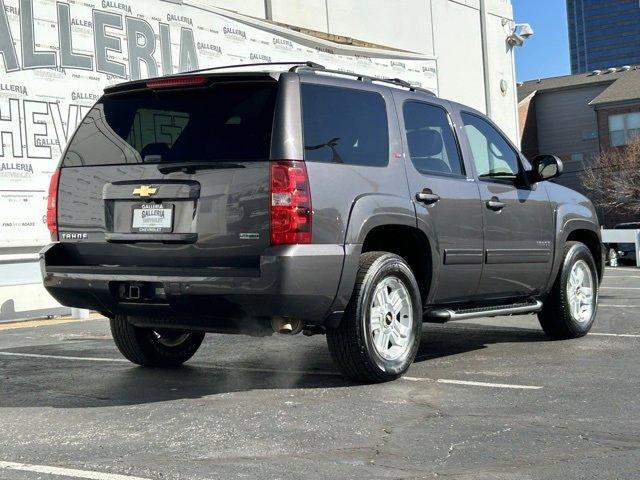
[623,85]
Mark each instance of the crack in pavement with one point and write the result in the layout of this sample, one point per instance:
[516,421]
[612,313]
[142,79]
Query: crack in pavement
[377,449]
[453,446]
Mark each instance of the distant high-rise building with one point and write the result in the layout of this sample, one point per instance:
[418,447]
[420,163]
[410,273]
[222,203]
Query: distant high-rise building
[603,34]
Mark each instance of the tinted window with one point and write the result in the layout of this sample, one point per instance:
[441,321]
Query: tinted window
[492,154]
[344,126]
[432,144]
[222,122]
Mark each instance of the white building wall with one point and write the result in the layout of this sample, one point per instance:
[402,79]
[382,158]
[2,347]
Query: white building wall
[403,24]
[254,8]
[504,103]
[311,14]
[458,49]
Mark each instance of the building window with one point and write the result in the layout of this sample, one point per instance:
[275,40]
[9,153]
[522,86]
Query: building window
[623,129]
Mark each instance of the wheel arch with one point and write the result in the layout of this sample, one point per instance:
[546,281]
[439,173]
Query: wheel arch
[410,243]
[593,242]
[579,230]
[388,223]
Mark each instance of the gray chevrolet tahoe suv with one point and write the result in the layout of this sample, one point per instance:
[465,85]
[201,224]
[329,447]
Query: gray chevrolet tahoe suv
[309,200]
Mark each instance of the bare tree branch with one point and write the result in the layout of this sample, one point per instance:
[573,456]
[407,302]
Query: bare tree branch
[614,179]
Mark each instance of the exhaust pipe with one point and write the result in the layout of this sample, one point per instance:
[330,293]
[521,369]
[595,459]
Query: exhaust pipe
[287,326]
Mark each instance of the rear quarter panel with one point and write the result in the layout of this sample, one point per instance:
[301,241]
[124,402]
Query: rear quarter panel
[350,200]
[347,198]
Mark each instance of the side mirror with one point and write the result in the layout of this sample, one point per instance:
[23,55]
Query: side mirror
[545,167]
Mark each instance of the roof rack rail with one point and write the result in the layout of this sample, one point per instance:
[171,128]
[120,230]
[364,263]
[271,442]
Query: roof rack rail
[314,67]
[307,65]
[245,65]
[405,84]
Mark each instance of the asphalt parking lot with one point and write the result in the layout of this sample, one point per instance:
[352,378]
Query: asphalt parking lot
[486,399]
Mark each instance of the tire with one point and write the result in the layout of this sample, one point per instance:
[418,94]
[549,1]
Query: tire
[352,343]
[154,348]
[612,257]
[557,318]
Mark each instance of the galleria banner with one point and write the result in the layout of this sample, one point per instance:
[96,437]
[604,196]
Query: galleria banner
[56,58]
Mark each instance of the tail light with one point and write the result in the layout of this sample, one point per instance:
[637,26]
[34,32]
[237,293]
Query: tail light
[290,203]
[52,205]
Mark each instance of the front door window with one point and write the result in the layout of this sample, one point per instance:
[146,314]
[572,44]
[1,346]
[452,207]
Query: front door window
[493,157]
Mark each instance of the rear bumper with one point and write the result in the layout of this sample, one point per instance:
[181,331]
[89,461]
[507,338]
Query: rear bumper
[299,281]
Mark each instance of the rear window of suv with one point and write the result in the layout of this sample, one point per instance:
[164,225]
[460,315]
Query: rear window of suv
[223,122]
[344,125]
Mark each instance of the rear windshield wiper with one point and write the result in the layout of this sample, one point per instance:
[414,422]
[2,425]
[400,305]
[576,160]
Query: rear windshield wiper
[187,167]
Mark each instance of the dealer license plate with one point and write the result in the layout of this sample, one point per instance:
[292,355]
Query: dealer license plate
[152,218]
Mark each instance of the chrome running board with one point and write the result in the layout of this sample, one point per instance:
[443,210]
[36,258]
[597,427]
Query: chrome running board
[447,315]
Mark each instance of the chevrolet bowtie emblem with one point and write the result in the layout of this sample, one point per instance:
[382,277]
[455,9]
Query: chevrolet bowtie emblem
[145,191]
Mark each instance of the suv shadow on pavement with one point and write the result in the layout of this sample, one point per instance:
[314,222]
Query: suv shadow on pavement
[95,384]
[438,342]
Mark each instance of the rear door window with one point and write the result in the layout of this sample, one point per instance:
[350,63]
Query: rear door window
[344,125]
[222,122]
[433,146]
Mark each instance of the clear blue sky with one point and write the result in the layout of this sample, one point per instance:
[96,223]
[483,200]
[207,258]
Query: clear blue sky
[546,54]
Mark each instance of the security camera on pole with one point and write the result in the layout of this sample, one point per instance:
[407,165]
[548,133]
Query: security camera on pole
[521,32]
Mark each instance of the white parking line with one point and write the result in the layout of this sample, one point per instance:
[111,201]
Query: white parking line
[620,288]
[624,335]
[491,385]
[122,360]
[473,384]
[62,357]
[617,306]
[65,472]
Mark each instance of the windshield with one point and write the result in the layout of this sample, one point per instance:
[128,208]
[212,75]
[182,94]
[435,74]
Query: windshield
[223,122]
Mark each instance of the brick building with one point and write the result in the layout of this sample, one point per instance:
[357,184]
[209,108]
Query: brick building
[577,116]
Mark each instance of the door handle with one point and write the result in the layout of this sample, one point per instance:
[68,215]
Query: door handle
[495,204]
[427,197]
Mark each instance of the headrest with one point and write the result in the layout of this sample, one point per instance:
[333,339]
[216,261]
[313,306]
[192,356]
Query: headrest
[161,150]
[425,143]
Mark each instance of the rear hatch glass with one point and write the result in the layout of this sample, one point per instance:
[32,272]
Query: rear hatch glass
[172,177]
[222,122]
